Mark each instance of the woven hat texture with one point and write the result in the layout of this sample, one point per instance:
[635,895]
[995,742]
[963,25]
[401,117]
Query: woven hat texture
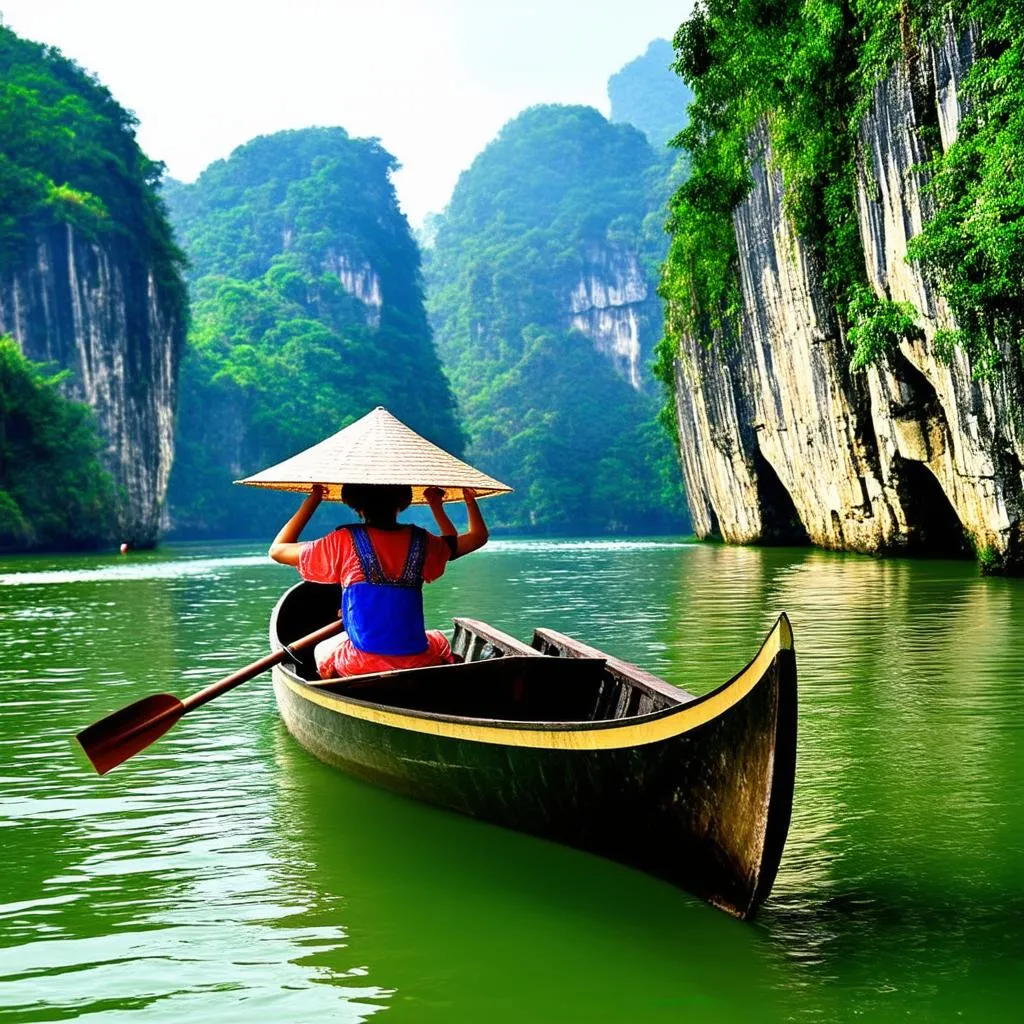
[377,449]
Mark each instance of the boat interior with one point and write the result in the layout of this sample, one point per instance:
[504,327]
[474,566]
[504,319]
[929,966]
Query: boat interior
[494,677]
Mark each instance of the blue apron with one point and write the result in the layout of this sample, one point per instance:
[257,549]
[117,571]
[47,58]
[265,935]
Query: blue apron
[384,616]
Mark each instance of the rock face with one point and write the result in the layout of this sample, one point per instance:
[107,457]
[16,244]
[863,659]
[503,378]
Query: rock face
[781,441]
[616,307]
[96,310]
[361,281]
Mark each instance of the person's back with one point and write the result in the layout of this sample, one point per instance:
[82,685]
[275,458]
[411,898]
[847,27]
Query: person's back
[381,566]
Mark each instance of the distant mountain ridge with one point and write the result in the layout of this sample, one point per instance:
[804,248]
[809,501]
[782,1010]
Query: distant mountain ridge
[649,95]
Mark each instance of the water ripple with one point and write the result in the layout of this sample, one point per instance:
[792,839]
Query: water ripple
[121,573]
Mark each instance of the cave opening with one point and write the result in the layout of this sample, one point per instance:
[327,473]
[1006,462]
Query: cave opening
[923,403]
[716,528]
[780,522]
[933,527]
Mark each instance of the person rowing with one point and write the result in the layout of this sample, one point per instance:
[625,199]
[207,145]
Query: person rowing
[381,565]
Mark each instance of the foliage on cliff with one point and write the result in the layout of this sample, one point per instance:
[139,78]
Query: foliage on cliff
[974,244]
[560,192]
[68,155]
[805,70]
[647,94]
[280,355]
[53,490]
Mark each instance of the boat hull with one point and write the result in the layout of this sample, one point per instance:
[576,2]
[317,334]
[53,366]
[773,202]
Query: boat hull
[699,794]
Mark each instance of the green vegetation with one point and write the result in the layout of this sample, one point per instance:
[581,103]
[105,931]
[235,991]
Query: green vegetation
[280,355]
[648,95]
[53,490]
[990,561]
[557,195]
[877,325]
[974,244]
[68,155]
[800,74]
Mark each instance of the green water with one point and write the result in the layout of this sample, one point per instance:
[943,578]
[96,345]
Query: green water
[226,875]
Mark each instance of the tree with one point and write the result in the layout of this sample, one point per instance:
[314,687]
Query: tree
[53,490]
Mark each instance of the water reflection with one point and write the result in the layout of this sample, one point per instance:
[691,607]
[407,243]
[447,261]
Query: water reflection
[898,870]
[468,921]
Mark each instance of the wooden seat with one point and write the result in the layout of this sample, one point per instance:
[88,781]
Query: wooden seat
[632,690]
[477,641]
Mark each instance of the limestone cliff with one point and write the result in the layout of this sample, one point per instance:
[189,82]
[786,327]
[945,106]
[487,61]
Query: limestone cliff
[95,308]
[542,294]
[781,440]
[307,311]
[615,305]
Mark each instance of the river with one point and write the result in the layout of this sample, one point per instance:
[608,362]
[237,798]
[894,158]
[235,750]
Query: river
[226,875]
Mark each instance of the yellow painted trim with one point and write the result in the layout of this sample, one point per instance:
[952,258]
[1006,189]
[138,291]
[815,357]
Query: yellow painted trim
[593,736]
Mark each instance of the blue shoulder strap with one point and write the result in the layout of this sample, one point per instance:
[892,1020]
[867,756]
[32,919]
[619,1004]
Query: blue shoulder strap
[412,572]
[368,561]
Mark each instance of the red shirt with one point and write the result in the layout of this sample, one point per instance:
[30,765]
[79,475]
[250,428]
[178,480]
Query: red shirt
[333,559]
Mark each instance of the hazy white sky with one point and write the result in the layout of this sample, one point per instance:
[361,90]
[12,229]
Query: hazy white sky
[433,79]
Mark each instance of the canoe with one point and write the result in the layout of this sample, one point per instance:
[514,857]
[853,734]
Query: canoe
[563,741]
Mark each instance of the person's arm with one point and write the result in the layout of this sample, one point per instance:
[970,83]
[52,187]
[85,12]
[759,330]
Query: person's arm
[285,547]
[476,535]
[435,499]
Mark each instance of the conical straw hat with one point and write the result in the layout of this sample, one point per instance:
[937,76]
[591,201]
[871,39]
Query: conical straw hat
[378,449]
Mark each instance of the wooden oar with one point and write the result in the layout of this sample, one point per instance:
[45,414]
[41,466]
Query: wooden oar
[123,734]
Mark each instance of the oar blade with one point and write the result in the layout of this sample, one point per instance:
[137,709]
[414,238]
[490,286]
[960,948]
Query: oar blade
[112,740]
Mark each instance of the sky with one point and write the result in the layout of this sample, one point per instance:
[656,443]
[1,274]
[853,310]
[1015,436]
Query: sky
[434,80]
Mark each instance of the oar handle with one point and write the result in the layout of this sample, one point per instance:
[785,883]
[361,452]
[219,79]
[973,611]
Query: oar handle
[244,674]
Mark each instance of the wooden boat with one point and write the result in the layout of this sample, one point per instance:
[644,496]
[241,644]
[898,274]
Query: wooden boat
[563,741]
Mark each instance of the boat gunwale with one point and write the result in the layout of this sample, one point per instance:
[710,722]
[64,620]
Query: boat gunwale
[613,733]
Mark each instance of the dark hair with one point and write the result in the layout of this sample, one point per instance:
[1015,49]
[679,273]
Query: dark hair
[376,502]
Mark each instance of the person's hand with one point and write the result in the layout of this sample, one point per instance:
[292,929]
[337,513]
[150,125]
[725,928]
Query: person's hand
[469,493]
[317,492]
[434,496]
